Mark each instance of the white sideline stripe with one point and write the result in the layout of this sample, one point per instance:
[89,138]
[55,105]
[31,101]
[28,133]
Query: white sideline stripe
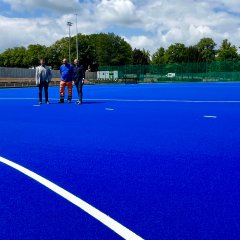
[18,98]
[139,100]
[164,100]
[100,216]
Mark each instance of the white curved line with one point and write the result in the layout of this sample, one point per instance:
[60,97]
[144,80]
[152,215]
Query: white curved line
[100,216]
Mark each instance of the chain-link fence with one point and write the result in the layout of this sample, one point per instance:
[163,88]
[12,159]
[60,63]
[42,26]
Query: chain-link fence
[185,72]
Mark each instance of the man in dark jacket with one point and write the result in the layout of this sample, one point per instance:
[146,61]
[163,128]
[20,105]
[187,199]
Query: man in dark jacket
[78,78]
[66,71]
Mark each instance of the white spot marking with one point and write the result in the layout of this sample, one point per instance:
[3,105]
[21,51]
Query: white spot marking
[206,116]
[109,109]
[100,216]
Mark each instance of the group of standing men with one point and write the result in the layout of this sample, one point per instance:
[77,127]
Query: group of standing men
[69,74]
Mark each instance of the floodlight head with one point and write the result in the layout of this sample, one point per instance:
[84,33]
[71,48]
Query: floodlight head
[69,24]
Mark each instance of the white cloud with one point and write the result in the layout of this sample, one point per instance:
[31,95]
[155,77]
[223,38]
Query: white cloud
[21,32]
[116,11]
[232,5]
[45,31]
[140,42]
[148,24]
[51,5]
[188,21]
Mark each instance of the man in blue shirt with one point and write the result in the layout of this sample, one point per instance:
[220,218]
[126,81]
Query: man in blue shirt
[78,78]
[66,71]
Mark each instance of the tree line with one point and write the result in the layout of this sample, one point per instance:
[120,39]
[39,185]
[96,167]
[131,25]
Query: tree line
[112,50]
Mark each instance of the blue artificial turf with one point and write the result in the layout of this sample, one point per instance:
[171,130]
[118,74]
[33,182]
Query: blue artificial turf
[160,168]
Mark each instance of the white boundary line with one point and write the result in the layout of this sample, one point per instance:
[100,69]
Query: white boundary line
[139,100]
[165,100]
[18,98]
[100,216]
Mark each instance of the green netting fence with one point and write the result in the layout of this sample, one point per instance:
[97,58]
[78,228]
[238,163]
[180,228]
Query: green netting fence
[184,72]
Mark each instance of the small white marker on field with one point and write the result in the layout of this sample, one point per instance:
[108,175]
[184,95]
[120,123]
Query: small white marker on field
[207,116]
[36,105]
[109,109]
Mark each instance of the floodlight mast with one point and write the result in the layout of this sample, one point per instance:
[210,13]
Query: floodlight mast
[77,35]
[69,24]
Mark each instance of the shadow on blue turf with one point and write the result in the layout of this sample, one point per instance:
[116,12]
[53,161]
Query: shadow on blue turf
[84,103]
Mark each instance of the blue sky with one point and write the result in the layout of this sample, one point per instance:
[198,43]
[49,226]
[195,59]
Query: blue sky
[148,24]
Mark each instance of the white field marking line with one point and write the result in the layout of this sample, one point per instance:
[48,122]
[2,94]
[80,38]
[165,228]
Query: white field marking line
[18,98]
[138,100]
[30,99]
[164,100]
[109,109]
[100,216]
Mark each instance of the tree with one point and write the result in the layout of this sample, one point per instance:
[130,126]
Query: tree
[14,57]
[140,57]
[96,49]
[111,49]
[176,53]
[57,52]
[159,56]
[192,54]
[87,50]
[206,48]
[34,53]
[227,52]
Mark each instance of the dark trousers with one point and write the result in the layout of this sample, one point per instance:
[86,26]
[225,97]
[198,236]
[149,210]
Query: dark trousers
[79,87]
[40,87]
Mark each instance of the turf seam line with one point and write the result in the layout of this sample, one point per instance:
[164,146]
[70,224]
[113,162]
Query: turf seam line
[95,213]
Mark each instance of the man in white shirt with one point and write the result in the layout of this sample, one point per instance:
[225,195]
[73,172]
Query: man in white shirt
[43,78]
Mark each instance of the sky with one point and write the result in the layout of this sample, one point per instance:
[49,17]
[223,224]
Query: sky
[148,24]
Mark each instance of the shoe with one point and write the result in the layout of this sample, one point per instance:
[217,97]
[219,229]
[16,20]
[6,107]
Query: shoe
[79,102]
[47,102]
[61,101]
[40,103]
[69,101]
